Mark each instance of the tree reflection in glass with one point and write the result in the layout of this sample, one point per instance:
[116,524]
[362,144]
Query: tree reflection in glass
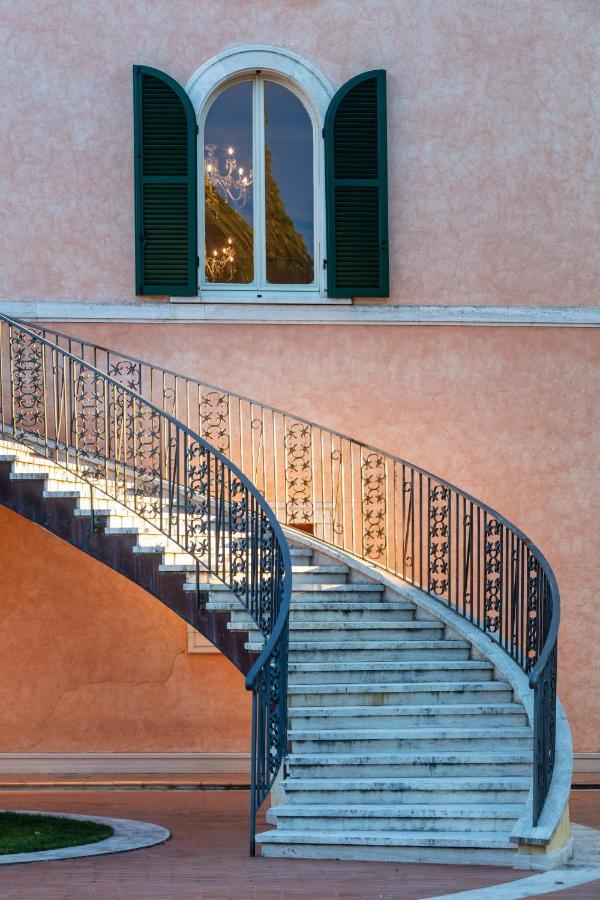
[288,188]
[229,198]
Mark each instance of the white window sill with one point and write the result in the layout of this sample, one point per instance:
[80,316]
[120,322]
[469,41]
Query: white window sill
[267,298]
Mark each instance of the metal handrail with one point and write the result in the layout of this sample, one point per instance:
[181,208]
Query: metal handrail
[110,436]
[382,508]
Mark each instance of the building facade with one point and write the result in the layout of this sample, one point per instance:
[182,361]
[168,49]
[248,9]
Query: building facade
[477,361]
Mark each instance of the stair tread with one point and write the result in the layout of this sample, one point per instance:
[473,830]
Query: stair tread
[298,605]
[379,645]
[436,733]
[400,687]
[439,756]
[376,665]
[395,810]
[483,839]
[391,625]
[432,784]
[343,587]
[500,709]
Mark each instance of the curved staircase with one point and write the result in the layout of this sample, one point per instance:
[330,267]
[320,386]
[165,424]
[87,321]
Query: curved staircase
[410,733]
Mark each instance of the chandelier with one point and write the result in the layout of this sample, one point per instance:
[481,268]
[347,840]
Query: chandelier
[221,266]
[235,183]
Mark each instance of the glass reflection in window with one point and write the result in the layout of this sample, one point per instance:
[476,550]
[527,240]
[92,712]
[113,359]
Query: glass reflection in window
[288,188]
[228,183]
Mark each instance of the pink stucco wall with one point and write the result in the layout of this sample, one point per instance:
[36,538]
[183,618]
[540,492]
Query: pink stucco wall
[509,414]
[491,135]
[92,663]
[492,201]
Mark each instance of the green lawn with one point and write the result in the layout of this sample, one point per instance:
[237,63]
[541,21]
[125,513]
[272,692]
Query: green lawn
[25,833]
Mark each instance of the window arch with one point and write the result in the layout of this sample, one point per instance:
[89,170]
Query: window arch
[261,217]
[277,245]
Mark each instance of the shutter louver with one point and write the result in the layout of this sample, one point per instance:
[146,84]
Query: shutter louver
[165,186]
[356,189]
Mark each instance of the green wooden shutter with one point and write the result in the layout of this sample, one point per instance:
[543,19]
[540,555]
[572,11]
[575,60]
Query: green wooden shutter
[166,244]
[356,189]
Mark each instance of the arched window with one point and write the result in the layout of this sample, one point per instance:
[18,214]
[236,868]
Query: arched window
[258,216]
[257,182]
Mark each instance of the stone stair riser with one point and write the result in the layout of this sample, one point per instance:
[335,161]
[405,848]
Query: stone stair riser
[394,674]
[460,796]
[379,744]
[437,717]
[324,612]
[401,631]
[492,821]
[316,654]
[497,856]
[400,769]
[389,695]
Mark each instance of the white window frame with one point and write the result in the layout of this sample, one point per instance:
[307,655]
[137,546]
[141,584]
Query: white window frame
[315,93]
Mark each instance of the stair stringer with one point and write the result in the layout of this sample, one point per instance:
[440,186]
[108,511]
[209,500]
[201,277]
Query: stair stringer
[550,843]
[120,552]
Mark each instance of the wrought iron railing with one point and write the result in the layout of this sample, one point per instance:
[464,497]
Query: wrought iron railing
[385,510]
[104,432]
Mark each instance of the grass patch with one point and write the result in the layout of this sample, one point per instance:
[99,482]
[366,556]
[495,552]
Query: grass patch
[27,833]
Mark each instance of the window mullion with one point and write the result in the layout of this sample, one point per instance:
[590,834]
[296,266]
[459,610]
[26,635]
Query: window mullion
[259,184]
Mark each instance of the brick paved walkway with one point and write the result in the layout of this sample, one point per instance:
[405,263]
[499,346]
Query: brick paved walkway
[206,859]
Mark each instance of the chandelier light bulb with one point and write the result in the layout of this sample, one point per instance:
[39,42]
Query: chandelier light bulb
[233,184]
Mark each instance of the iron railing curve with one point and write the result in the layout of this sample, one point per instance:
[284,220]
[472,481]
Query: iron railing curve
[500,580]
[32,380]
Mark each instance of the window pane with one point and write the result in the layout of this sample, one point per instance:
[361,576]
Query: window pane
[288,188]
[229,200]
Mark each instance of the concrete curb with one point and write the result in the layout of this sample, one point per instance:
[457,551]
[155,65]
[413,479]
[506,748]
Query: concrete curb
[129,834]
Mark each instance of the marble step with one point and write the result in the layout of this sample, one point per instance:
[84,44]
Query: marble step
[379,630]
[483,848]
[346,651]
[353,591]
[412,764]
[323,609]
[395,693]
[408,716]
[392,738]
[320,574]
[385,817]
[362,789]
[380,672]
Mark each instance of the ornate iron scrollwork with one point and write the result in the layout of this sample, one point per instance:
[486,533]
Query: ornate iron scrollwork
[438,539]
[468,558]
[532,623]
[214,419]
[90,421]
[407,488]
[298,473]
[127,372]
[27,370]
[373,506]
[492,601]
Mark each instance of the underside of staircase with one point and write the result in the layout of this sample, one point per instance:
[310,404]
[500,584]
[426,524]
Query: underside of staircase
[404,741]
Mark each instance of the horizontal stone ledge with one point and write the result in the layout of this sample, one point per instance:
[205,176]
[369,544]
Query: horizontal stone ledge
[170,763]
[272,313]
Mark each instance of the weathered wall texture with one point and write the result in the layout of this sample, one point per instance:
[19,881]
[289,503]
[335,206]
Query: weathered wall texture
[509,414]
[90,662]
[493,198]
[491,135]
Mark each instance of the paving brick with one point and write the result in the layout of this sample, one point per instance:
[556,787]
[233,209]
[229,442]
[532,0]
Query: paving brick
[207,857]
